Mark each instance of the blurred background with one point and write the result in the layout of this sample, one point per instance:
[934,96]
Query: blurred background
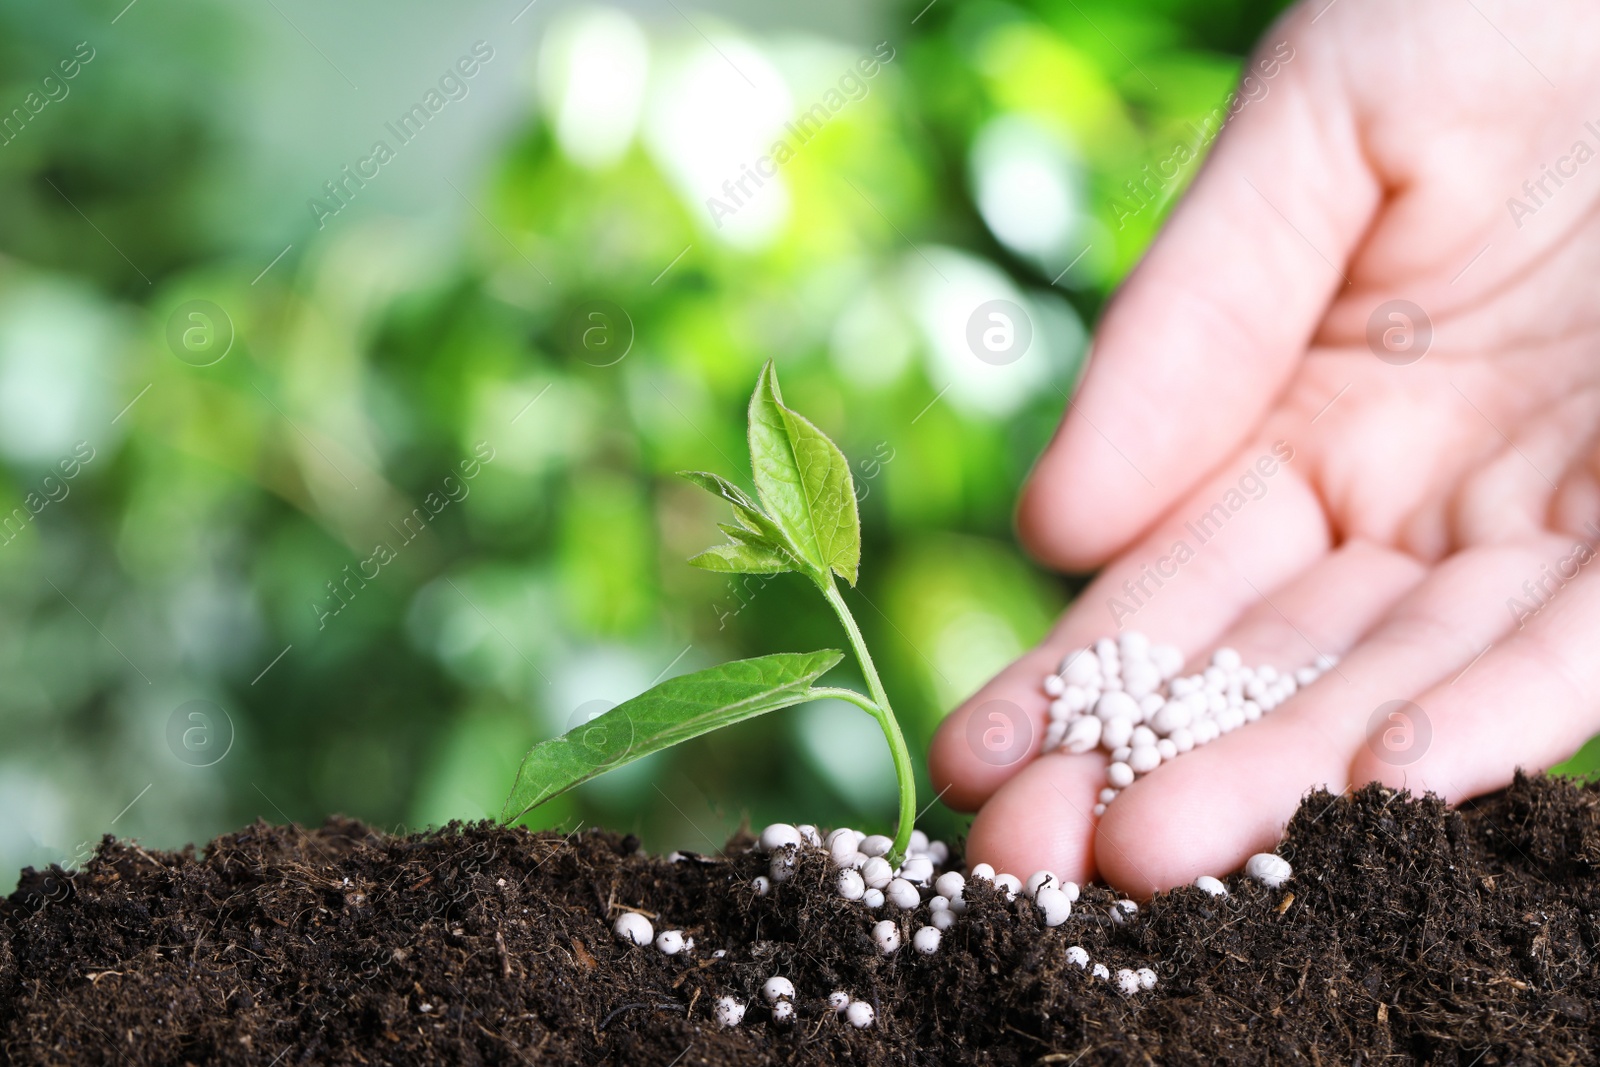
[346,354]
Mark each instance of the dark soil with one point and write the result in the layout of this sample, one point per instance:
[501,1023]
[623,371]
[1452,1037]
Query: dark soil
[1410,933]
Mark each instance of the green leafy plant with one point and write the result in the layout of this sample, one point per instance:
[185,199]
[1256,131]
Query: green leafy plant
[804,520]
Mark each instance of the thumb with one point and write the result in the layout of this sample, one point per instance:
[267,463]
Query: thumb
[1206,331]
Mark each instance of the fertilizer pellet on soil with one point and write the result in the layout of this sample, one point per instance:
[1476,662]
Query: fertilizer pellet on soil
[1409,933]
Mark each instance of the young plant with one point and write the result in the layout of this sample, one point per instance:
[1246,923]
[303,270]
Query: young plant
[806,522]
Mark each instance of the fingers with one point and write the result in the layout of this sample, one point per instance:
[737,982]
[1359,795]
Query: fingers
[1041,820]
[1233,542]
[1530,701]
[1206,331]
[1206,812]
[1332,603]
[1576,503]
[1325,610]
[1514,495]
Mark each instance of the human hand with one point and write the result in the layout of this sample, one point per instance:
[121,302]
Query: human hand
[1386,161]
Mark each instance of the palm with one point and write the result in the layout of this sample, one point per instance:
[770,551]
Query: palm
[1422,495]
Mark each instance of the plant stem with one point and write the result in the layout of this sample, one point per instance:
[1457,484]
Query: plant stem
[881,711]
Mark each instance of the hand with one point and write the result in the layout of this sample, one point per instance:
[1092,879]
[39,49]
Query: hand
[1432,525]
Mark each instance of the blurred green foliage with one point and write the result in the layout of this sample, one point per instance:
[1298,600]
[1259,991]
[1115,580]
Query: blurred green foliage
[230,508]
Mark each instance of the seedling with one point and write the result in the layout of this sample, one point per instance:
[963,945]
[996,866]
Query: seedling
[804,519]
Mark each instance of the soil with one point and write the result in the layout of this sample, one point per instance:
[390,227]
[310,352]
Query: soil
[1410,933]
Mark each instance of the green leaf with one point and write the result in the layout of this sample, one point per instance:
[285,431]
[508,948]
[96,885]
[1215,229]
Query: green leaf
[744,558]
[717,485]
[758,545]
[804,481]
[662,716]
